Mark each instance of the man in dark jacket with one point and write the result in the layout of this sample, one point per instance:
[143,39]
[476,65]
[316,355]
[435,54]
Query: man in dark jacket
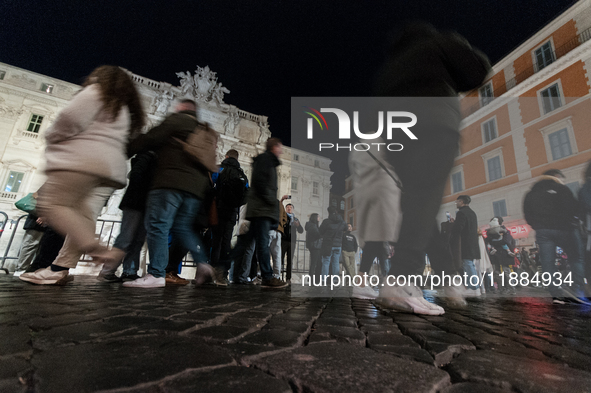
[349,251]
[227,217]
[465,229]
[425,63]
[551,209]
[331,231]
[288,239]
[262,210]
[178,189]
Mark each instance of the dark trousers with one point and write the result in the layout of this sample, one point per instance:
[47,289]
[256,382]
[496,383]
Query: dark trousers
[287,249]
[49,247]
[221,244]
[371,251]
[315,262]
[423,167]
[259,230]
[439,253]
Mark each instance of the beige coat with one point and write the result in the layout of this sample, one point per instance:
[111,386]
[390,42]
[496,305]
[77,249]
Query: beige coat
[84,139]
[376,197]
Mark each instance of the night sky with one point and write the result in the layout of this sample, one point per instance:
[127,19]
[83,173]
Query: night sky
[264,52]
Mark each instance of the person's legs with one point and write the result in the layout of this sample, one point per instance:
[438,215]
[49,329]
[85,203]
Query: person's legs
[275,250]
[546,239]
[131,238]
[285,247]
[29,249]
[349,262]
[242,257]
[290,246]
[572,244]
[470,270]
[335,256]
[161,209]
[260,227]
[183,227]
[64,202]
[226,246]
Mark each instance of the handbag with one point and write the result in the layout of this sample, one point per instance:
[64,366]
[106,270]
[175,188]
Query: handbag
[201,145]
[27,204]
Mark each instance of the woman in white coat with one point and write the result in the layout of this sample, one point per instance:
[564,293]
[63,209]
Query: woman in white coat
[86,155]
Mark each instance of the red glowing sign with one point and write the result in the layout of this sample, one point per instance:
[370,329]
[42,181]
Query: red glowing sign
[519,231]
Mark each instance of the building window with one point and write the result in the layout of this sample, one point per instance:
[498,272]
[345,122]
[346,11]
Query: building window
[500,208]
[315,187]
[494,168]
[342,205]
[35,123]
[2,74]
[456,183]
[294,183]
[559,144]
[46,87]
[14,181]
[296,157]
[486,94]
[316,163]
[551,98]
[351,203]
[333,203]
[489,130]
[352,220]
[544,56]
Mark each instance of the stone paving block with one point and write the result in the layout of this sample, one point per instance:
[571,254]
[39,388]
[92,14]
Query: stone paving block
[245,322]
[167,326]
[509,372]
[86,331]
[202,317]
[232,379]
[344,322]
[12,386]
[571,357]
[381,328]
[336,367]
[377,338]
[14,339]
[302,317]
[13,367]
[109,365]
[342,334]
[470,387]
[261,314]
[221,334]
[412,353]
[62,320]
[275,338]
[296,326]
[527,353]
[241,350]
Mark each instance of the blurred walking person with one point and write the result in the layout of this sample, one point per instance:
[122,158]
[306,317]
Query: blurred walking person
[86,161]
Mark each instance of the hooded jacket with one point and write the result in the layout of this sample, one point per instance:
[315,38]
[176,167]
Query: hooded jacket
[331,231]
[551,205]
[262,196]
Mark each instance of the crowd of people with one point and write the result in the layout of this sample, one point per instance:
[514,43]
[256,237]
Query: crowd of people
[176,193]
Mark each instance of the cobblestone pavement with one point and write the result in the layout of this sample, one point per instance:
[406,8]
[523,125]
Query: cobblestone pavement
[90,336]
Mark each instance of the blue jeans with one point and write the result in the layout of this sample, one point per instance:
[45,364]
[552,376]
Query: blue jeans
[242,263]
[570,241]
[470,270]
[172,211]
[131,239]
[331,261]
[259,230]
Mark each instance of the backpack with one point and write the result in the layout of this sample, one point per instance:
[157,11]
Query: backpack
[201,145]
[232,186]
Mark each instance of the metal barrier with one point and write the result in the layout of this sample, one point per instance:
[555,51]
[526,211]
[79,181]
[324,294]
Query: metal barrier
[7,250]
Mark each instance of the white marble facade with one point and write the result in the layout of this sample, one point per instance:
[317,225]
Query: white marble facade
[25,94]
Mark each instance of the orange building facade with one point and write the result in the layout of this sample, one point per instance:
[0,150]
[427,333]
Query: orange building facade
[532,114]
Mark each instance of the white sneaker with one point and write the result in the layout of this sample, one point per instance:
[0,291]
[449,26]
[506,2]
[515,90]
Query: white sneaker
[364,293]
[18,273]
[407,298]
[148,281]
